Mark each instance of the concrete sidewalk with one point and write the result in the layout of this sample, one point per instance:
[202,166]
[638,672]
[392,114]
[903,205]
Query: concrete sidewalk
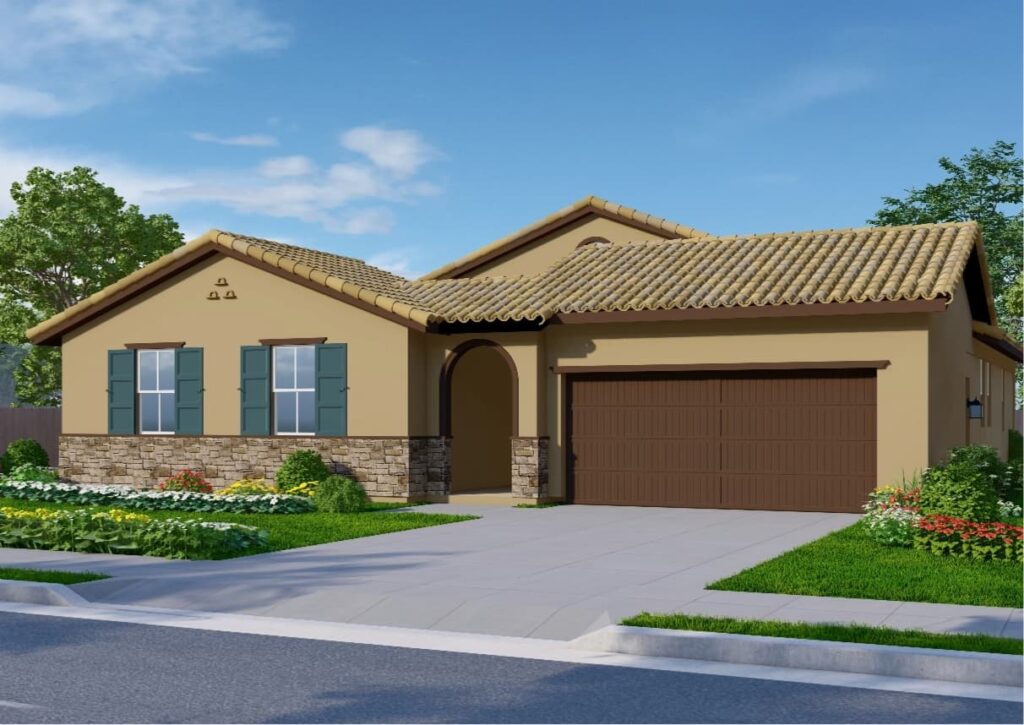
[551,573]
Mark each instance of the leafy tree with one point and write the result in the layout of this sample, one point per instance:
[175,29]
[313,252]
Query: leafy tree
[985,186]
[68,237]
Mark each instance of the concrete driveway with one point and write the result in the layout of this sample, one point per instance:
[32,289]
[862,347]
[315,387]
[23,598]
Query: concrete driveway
[553,573]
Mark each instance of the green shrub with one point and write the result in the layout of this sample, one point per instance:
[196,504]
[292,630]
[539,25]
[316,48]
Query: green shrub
[964,486]
[340,495]
[22,451]
[124,532]
[299,467]
[32,472]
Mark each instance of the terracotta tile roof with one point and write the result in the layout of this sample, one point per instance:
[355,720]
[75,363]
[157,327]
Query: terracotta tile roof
[349,269]
[921,262]
[874,264]
[592,204]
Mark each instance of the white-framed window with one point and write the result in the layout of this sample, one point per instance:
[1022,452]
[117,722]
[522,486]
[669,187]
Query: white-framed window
[295,390]
[155,377]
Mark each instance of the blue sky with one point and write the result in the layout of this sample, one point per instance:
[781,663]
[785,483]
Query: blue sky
[409,133]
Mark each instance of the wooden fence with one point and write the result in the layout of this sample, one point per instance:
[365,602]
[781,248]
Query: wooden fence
[42,424]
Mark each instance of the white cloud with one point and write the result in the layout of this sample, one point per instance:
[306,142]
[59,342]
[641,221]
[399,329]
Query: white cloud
[401,152]
[137,186]
[367,221]
[21,101]
[251,139]
[805,87]
[350,197]
[287,166]
[795,91]
[395,261]
[81,53]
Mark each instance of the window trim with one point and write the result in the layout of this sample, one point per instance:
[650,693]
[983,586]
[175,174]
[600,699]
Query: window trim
[158,391]
[274,390]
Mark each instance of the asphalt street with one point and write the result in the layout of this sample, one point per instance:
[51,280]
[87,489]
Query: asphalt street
[55,669]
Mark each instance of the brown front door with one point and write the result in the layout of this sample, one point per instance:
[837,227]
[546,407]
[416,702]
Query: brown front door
[801,440]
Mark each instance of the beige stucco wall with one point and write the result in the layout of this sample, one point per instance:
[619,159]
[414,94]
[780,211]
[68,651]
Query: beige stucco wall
[902,387]
[541,253]
[955,369]
[266,307]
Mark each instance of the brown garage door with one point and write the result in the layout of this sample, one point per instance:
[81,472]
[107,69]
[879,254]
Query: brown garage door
[795,440]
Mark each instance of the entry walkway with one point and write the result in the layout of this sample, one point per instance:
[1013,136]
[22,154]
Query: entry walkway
[552,573]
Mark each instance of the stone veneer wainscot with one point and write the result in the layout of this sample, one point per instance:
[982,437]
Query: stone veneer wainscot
[415,468]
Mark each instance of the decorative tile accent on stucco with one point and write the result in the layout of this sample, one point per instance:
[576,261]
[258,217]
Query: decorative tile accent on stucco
[400,467]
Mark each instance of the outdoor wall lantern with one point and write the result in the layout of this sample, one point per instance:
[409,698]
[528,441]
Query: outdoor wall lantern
[974,409]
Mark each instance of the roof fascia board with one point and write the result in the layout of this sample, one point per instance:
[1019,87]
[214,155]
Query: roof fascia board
[1004,347]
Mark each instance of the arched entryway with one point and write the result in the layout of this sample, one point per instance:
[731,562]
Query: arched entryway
[479,396]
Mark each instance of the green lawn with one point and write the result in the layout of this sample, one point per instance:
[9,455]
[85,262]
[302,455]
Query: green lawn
[849,564]
[831,632]
[290,531]
[53,577]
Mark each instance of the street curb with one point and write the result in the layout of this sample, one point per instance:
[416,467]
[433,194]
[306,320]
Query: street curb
[26,592]
[980,668]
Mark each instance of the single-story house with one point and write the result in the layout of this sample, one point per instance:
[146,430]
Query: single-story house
[600,355]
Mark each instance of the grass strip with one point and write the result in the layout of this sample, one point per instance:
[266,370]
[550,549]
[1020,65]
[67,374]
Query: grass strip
[290,531]
[848,563]
[50,576]
[860,634]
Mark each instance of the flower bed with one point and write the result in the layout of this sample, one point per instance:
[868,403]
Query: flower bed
[891,514]
[125,532]
[127,497]
[949,536]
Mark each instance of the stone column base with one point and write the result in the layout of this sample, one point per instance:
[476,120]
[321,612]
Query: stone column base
[530,469]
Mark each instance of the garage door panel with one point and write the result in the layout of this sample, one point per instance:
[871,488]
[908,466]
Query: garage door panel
[641,422]
[796,388]
[791,492]
[645,390]
[799,423]
[662,456]
[650,489]
[796,457]
[790,440]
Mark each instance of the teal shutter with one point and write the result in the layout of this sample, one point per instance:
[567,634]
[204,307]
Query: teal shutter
[255,390]
[188,391]
[121,392]
[332,390]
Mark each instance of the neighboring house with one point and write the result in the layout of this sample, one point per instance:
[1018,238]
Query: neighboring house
[601,355]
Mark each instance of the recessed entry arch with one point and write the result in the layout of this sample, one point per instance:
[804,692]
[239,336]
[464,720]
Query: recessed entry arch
[479,407]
